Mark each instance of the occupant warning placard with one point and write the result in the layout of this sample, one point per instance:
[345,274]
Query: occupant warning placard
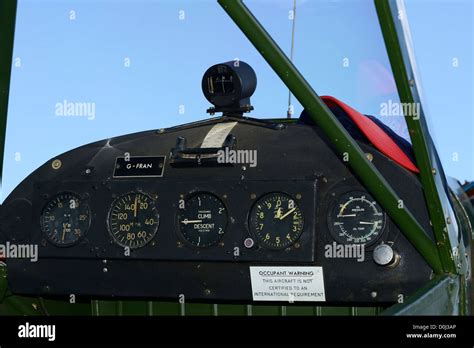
[287,283]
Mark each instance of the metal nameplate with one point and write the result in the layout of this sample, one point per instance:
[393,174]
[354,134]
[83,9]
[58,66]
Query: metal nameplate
[139,166]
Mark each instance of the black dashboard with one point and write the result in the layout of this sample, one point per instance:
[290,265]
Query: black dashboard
[157,215]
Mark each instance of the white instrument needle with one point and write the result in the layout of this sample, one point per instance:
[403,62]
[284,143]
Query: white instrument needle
[287,213]
[186,221]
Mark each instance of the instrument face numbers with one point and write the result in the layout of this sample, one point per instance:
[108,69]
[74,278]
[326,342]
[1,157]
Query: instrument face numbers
[65,219]
[276,221]
[356,218]
[202,219]
[133,220]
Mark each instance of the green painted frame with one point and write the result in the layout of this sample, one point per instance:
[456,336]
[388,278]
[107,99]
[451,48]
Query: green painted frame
[393,22]
[439,297]
[7,31]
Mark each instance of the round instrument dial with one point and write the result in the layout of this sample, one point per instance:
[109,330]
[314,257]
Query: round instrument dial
[202,219]
[133,219]
[356,218]
[276,221]
[65,219]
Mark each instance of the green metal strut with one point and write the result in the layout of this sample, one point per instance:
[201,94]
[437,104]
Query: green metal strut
[7,31]
[339,137]
[430,171]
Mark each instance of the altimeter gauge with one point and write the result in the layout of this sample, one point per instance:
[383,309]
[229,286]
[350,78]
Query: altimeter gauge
[276,221]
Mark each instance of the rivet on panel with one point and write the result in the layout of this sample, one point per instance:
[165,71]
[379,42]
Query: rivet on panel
[56,164]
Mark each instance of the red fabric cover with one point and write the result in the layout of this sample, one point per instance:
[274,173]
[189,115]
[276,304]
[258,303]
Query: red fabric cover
[383,142]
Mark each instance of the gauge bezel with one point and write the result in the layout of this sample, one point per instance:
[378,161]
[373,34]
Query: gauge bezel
[357,191]
[252,233]
[183,238]
[109,227]
[82,199]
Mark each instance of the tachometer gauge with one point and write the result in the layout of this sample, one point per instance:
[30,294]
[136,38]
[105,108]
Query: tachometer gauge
[133,220]
[202,219]
[276,221]
[65,219]
[356,218]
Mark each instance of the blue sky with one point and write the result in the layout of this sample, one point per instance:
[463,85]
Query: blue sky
[140,63]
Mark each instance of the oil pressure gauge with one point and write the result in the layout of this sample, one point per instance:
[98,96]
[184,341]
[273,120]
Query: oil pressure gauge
[356,218]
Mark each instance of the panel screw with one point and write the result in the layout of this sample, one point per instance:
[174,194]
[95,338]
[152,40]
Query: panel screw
[249,243]
[56,164]
[433,171]
[298,196]
[207,292]
[253,196]
[373,294]
[369,156]
[105,270]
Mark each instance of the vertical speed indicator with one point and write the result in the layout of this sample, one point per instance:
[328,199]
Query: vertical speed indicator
[133,220]
[202,219]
